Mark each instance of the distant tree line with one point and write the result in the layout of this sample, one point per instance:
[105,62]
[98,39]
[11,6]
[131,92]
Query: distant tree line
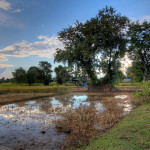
[41,74]
[3,80]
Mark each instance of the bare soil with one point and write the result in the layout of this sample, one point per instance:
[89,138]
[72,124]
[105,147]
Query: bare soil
[18,97]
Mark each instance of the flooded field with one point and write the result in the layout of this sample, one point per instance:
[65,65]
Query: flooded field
[29,125]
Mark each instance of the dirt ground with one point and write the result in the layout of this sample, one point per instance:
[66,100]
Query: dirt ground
[18,97]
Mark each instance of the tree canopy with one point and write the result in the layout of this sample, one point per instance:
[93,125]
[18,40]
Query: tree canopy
[102,36]
[32,75]
[139,49]
[19,75]
[62,74]
[45,72]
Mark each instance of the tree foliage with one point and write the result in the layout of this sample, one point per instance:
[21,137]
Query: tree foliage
[139,48]
[102,36]
[45,72]
[62,74]
[19,75]
[32,75]
[135,72]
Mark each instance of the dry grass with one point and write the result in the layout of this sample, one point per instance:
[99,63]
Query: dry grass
[80,124]
[49,108]
[85,122]
[111,115]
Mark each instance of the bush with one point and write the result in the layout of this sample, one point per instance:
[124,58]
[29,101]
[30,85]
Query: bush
[69,84]
[143,94]
[53,83]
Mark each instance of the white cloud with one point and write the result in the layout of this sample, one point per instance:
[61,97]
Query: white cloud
[5,5]
[141,19]
[3,70]
[45,48]
[17,11]
[6,66]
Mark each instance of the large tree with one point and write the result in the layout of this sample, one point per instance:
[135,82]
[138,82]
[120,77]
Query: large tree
[139,48]
[19,75]
[102,36]
[45,72]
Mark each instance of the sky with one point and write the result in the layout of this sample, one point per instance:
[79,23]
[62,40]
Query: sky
[29,28]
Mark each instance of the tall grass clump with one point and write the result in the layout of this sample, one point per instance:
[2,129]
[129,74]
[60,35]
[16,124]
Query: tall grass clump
[111,115]
[142,95]
[79,124]
[85,122]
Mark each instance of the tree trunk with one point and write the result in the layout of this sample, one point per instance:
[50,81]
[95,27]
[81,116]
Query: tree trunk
[145,74]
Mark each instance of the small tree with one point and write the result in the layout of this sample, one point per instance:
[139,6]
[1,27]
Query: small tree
[32,75]
[19,75]
[45,72]
[139,34]
[135,72]
[62,75]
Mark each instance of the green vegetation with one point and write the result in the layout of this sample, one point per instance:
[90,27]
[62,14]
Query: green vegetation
[19,75]
[32,75]
[45,72]
[32,89]
[62,74]
[132,132]
[100,36]
[139,49]
[142,95]
[40,74]
[24,84]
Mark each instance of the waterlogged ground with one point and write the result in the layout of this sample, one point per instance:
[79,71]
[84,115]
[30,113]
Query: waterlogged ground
[29,125]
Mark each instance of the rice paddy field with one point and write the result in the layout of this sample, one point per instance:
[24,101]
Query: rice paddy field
[15,93]
[32,89]
[64,117]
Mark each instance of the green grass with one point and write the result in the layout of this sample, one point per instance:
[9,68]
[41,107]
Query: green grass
[24,84]
[131,133]
[127,84]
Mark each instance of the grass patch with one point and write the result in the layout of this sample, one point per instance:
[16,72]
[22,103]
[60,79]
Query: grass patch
[127,84]
[143,94]
[24,84]
[132,132]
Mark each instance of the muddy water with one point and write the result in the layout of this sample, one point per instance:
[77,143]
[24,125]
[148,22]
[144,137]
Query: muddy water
[29,125]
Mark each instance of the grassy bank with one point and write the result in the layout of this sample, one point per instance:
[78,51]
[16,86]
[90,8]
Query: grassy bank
[132,132]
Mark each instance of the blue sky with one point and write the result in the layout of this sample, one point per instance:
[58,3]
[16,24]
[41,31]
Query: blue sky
[28,28]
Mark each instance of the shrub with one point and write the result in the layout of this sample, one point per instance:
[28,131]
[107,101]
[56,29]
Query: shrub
[142,95]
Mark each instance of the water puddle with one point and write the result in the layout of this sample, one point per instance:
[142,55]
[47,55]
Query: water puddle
[29,125]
